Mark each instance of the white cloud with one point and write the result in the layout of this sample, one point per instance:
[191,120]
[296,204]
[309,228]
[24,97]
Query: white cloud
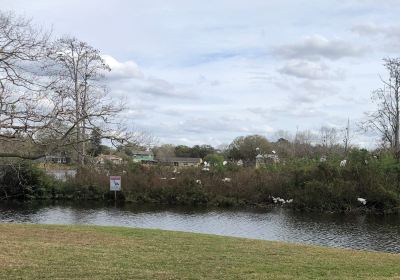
[122,70]
[382,36]
[162,88]
[189,70]
[313,70]
[366,29]
[127,77]
[317,46]
[373,29]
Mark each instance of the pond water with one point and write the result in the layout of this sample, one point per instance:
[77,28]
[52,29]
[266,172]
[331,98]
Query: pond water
[357,231]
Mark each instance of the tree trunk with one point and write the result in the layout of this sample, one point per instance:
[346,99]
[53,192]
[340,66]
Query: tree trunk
[396,131]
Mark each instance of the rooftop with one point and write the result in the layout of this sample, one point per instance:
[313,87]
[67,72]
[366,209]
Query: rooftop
[180,159]
[142,153]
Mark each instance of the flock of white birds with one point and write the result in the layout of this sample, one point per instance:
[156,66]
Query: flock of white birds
[276,200]
[281,200]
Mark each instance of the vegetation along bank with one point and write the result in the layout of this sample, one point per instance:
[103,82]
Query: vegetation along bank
[365,183]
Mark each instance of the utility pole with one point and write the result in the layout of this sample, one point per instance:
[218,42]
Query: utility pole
[346,139]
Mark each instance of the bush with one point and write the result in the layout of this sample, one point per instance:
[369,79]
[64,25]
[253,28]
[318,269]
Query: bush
[312,185]
[22,180]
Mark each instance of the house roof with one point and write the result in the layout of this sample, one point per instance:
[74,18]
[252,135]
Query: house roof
[110,157]
[180,159]
[142,153]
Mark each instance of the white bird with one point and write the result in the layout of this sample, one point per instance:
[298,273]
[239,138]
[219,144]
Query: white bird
[224,162]
[226,180]
[281,200]
[198,182]
[363,201]
[273,151]
[343,163]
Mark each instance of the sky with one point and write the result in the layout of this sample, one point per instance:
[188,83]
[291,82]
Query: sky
[204,72]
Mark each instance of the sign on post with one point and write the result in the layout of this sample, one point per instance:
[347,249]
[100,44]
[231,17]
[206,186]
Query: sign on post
[115,183]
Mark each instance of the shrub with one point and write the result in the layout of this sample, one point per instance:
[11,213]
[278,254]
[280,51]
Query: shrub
[313,185]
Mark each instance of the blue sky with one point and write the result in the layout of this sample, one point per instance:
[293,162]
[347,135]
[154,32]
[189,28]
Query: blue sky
[194,72]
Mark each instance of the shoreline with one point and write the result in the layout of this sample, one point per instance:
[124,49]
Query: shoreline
[211,205]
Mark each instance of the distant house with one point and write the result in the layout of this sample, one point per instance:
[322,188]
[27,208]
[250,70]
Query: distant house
[143,157]
[61,158]
[180,161]
[102,159]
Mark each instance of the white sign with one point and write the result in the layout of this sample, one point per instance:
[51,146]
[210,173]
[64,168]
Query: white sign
[115,183]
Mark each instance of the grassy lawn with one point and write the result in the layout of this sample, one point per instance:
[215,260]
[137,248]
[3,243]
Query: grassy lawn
[88,252]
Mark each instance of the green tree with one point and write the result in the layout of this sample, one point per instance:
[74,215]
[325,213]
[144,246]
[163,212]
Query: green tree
[214,159]
[95,142]
[183,151]
[165,150]
[200,151]
[247,147]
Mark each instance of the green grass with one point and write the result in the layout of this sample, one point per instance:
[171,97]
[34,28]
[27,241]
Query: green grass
[89,252]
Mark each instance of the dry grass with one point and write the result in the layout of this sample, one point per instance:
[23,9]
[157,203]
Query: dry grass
[87,252]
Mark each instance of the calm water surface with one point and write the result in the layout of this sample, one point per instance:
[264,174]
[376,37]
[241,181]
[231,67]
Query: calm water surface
[370,232]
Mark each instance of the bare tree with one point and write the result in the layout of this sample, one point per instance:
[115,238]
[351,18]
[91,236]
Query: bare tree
[163,151]
[79,70]
[302,143]
[328,137]
[25,105]
[51,95]
[21,48]
[346,137]
[385,120]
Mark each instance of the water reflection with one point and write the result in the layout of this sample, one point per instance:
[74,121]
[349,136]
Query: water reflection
[369,232]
